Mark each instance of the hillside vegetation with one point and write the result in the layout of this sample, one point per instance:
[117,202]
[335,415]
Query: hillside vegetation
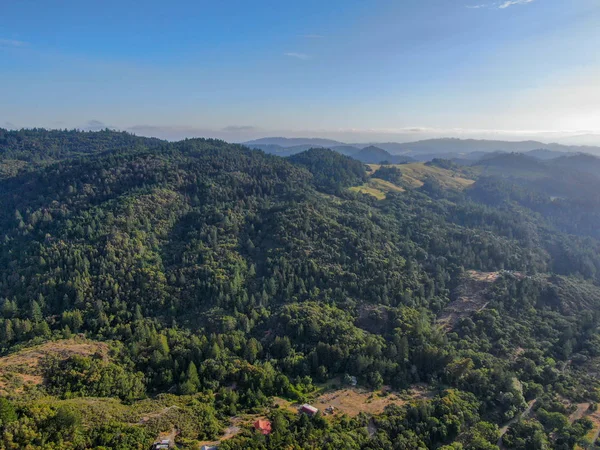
[383,179]
[215,279]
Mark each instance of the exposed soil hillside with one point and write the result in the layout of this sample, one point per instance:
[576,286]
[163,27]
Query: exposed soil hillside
[470,297]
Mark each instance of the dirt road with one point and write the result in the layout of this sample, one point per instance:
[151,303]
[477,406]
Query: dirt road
[515,419]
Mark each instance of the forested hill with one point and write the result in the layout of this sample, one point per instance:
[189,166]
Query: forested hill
[216,281]
[41,144]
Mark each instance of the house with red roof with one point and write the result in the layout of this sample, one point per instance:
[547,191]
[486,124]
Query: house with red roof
[308,409]
[264,426]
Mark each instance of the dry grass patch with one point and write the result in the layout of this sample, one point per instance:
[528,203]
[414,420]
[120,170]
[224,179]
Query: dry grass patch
[414,174]
[417,173]
[595,431]
[354,400]
[593,434]
[366,189]
[23,368]
[384,185]
[377,188]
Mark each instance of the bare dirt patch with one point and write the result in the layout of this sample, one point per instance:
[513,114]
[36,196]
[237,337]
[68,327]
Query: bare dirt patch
[23,367]
[168,435]
[354,400]
[582,409]
[234,428]
[594,416]
[470,297]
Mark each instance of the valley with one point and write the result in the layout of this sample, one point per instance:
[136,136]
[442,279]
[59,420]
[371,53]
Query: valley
[184,290]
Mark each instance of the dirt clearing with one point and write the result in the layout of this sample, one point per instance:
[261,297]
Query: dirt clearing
[582,409]
[470,297]
[353,400]
[234,428]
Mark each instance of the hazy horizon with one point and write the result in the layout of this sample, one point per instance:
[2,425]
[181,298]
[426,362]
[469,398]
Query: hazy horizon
[344,137]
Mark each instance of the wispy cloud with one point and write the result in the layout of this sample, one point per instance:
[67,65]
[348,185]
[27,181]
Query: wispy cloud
[499,5]
[296,55]
[510,3]
[12,43]
[313,36]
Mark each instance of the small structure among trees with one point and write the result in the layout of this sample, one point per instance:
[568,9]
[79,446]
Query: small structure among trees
[162,444]
[264,426]
[308,410]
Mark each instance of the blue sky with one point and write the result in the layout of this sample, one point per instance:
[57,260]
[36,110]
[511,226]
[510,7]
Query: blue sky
[354,70]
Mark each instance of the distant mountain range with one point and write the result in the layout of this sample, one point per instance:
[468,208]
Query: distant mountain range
[292,142]
[450,145]
[447,148]
[375,155]
[367,155]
